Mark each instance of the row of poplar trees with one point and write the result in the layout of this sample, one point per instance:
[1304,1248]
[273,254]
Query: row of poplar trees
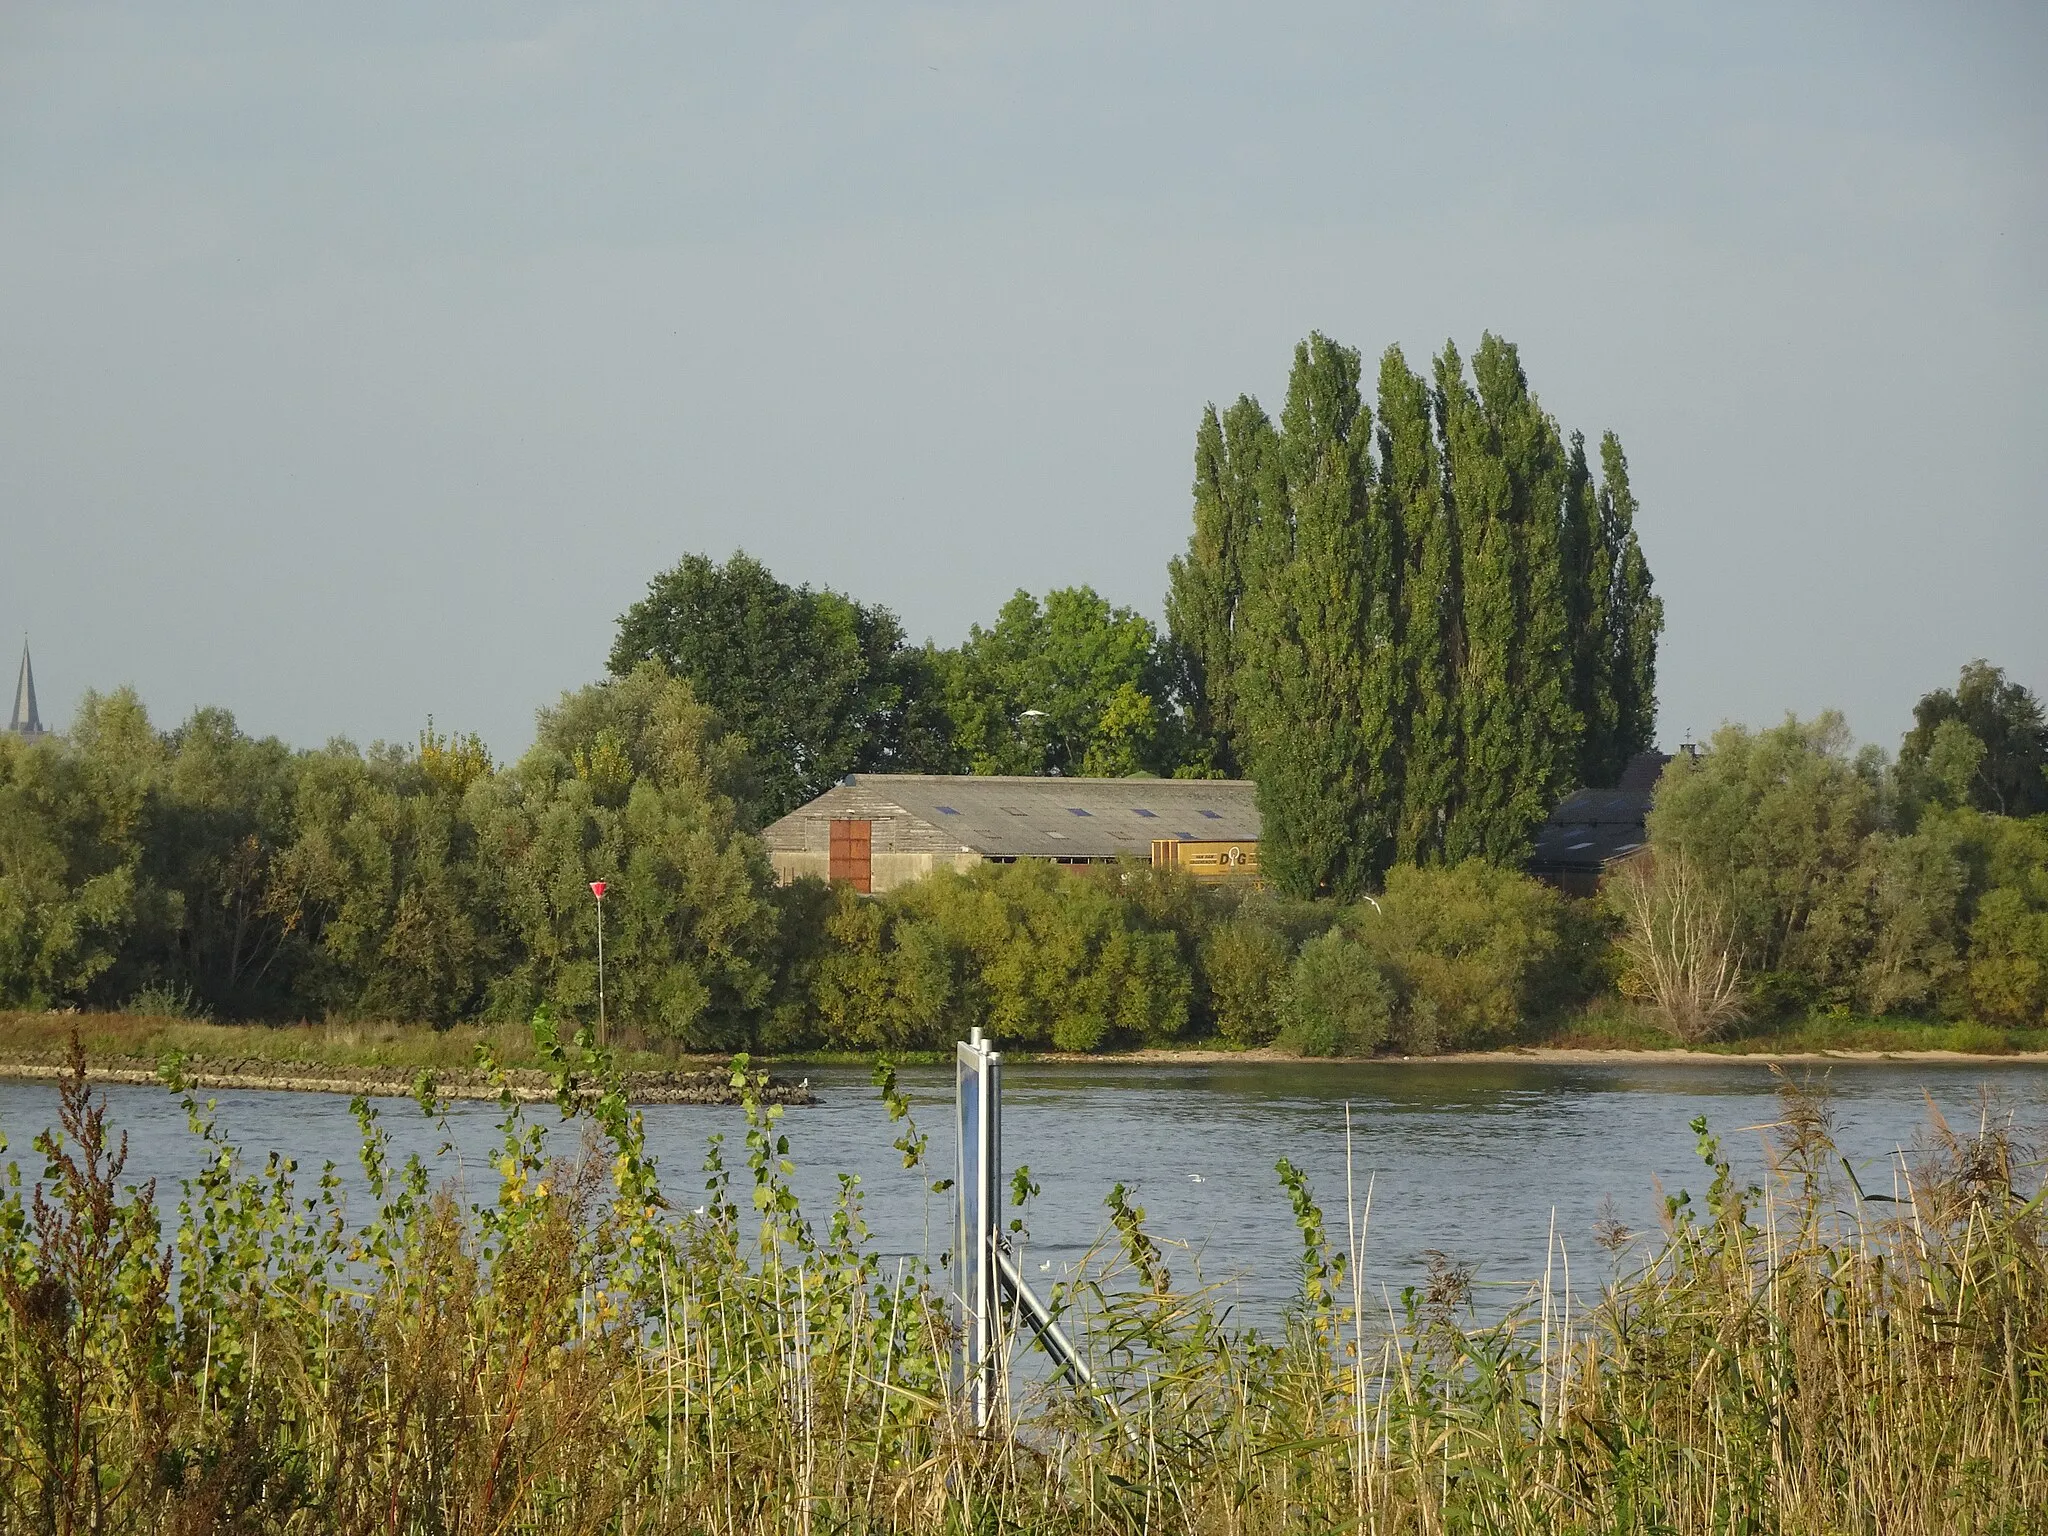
[1417,631]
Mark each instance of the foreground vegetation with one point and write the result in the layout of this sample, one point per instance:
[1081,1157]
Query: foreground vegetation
[567,1351]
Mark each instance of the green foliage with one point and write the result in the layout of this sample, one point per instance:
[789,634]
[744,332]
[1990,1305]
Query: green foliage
[1779,820]
[815,684]
[1245,961]
[1835,906]
[1055,958]
[1206,588]
[70,857]
[1338,1001]
[1984,744]
[689,930]
[1415,656]
[1621,684]
[2005,907]
[888,978]
[1411,489]
[1304,659]
[1478,953]
[1074,686]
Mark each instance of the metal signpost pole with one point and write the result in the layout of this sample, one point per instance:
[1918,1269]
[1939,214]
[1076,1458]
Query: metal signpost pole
[984,1274]
[978,1124]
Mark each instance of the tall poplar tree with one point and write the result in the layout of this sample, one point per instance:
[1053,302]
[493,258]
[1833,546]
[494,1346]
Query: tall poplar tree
[1431,643]
[1540,657]
[1423,657]
[1490,562]
[1205,588]
[1635,615]
[1589,574]
[1307,610]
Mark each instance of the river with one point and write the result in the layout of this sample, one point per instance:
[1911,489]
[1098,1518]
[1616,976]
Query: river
[1475,1160]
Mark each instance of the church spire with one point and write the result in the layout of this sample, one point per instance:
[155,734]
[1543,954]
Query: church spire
[25,721]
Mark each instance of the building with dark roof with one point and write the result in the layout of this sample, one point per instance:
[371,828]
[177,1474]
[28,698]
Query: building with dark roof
[882,830]
[1596,828]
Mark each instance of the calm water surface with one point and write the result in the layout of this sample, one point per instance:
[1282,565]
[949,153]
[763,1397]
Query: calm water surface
[1470,1159]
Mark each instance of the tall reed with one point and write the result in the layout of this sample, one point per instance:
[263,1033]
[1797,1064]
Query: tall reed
[568,1351]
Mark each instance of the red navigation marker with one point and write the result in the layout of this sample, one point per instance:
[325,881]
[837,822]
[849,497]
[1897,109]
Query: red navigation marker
[597,889]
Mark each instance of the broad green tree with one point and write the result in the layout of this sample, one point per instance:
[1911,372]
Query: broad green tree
[2009,776]
[1779,822]
[1071,686]
[630,783]
[70,862]
[222,813]
[817,684]
[387,885]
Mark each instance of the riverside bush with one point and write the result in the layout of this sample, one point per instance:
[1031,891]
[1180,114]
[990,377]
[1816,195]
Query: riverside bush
[1477,952]
[567,1351]
[1338,1000]
[1833,905]
[1245,961]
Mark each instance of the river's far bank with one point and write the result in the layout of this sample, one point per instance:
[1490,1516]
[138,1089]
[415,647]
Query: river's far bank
[389,1059]
[1548,1055]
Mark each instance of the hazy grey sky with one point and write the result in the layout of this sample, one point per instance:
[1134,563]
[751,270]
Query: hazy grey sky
[360,362]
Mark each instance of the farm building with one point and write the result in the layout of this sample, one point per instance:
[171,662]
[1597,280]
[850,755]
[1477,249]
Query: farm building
[1594,829]
[882,830]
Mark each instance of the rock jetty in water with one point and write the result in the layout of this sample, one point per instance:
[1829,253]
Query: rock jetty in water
[702,1086]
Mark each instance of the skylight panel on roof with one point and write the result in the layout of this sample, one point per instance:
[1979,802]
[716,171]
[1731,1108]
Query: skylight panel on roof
[1141,811]
[1075,810]
[947,810]
[1212,815]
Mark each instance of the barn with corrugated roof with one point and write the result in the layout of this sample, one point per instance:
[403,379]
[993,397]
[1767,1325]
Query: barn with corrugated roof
[881,830]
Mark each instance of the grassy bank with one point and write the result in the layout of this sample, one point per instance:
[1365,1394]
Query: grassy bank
[374,1059]
[140,1042]
[132,1037]
[570,1354]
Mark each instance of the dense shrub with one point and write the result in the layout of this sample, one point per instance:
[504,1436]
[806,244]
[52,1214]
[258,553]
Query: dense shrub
[888,978]
[1832,905]
[1245,960]
[1338,1000]
[1778,822]
[1477,952]
[1057,958]
[2006,863]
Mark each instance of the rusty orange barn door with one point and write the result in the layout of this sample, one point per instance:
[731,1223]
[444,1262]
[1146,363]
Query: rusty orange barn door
[852,854]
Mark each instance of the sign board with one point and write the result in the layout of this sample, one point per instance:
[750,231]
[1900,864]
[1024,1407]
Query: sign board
[978,1112]
[1207,861]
